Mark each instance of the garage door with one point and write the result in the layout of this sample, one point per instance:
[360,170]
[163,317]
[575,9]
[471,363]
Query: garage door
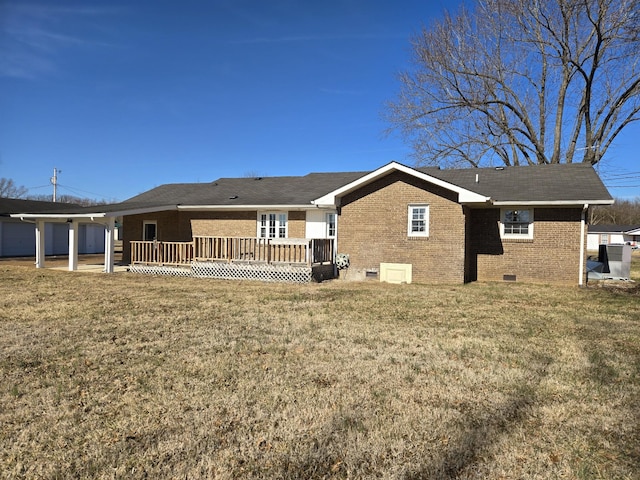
[18,239]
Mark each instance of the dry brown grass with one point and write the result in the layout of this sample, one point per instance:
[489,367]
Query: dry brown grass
[125,376]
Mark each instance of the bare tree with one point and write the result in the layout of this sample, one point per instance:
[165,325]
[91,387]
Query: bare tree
[623,212]
[522,82]
[83,202]
[8,189]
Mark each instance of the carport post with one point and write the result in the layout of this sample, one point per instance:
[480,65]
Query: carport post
[109,244]
[73,245]
[40,243]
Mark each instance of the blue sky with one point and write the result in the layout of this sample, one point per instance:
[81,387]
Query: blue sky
[122,96]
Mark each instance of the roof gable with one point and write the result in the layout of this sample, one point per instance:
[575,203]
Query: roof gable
[464,195]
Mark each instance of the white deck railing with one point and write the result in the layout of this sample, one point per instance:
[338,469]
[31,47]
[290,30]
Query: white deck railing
[290,251]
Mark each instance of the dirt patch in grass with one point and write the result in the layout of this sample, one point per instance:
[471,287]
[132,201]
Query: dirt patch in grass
[128,376]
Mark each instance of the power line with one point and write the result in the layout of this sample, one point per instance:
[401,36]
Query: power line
[621,176]
[79,191]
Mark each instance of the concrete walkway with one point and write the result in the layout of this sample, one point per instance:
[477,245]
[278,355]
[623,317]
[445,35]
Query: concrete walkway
[92,263]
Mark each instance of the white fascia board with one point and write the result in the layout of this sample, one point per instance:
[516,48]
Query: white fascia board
[64,216]
[635,231]
[464,196]
[245,207]
[57,216]
[550,203]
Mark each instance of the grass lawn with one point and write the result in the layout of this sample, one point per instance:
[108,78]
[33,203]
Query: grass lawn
[127,376]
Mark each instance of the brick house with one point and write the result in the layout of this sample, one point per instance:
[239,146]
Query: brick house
[442,226]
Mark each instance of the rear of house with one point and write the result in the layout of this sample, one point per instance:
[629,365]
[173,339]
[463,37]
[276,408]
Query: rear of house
[395,223]
[509,235]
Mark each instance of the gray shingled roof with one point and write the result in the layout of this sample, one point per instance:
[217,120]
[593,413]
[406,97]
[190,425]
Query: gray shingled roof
[249,191]
[539,183]
[18,205]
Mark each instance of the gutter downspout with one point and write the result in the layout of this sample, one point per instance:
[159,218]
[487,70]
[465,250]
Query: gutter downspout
[582,246]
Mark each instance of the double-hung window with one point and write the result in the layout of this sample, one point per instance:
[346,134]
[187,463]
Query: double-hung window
[516,223]
[418,221]
[272,225]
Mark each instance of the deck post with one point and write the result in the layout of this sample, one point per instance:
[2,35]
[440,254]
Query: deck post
[40,252]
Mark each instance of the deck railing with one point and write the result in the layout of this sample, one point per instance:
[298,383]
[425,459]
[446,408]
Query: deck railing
[161,253]
[291,251]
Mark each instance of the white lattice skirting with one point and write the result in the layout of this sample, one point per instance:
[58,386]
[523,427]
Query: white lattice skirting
[232,271]
[249,271]
[161,270]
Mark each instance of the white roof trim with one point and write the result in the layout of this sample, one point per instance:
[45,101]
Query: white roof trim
[61,215]
[464,195]
[552,203]
[57,216]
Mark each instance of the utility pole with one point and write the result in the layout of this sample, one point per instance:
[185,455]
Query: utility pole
[54,181]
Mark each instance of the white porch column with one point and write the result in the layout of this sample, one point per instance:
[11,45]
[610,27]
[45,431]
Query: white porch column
[109,244]
[40,243]
[73,245]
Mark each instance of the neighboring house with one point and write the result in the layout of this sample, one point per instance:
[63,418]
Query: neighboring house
[18,239]
[612,234]
[421,224]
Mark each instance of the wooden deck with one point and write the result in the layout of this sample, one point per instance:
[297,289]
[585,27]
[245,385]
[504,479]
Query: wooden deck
[268,251]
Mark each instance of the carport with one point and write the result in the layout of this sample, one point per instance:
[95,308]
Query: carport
[73,221]
[105,216]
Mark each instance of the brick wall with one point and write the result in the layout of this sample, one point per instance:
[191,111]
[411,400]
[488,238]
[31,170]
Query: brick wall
[240,224]
[552,256]
[223,224]
[171,227]
[372,228]
[181,226]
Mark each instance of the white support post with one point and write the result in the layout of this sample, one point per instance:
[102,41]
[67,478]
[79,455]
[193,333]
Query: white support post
[109,244]
[581,275]
[73,245]
[40,243]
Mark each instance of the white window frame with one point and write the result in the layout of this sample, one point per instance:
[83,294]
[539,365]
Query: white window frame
[144,229]
[604,239]
[280,230]
[410,219]
[528,235]
[331,220]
